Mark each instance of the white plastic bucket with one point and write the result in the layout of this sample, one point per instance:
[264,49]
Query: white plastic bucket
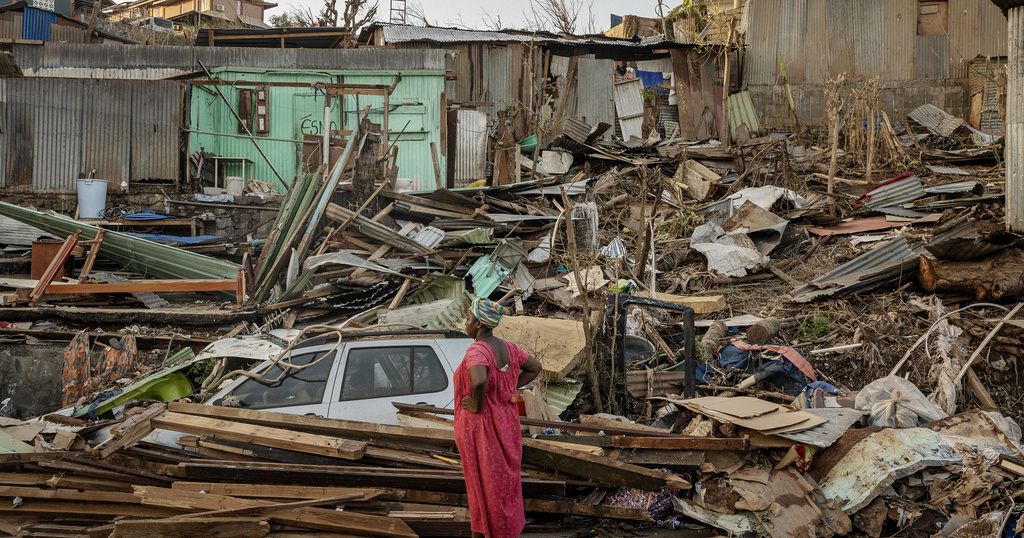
[92,198]
[234,185]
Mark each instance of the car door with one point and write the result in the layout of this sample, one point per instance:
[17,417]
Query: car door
[305,389]
[375,374]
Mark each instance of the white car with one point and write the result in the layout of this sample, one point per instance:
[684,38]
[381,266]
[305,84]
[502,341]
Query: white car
[356,380]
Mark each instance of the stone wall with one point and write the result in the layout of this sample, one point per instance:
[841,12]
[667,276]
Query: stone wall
[227,219]
[897,100]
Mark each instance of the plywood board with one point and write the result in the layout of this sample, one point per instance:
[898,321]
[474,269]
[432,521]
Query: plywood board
[557,343]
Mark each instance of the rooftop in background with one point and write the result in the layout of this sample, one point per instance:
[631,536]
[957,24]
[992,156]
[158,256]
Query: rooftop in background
[24,7]
[281,38]
[384,33]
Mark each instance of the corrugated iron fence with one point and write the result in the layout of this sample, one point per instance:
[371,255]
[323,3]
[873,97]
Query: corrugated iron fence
[54,131]
[819,39]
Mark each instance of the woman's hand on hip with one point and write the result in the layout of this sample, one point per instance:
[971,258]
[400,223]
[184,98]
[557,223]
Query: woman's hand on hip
[470,404]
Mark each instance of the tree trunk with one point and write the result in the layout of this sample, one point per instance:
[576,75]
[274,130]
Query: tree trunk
[988,279]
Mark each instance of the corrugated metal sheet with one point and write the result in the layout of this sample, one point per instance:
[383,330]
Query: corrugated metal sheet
[818,39]
[400,33]
[880,265]
[1014,152]
[502,75]
[77,60]
[470,146]
[594,101]
[931,61]
[57,126]
[157,117]
[629,106]
[10,25]
[935,120]
[106,128]
[13,232]
[975,29]
[741,112]
[894,194]
[36,23]
[54,130]
[140,255]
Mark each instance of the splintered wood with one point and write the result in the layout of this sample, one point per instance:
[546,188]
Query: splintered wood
[239,472]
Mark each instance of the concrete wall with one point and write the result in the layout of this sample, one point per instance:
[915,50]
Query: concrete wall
[31,376]
[772,107]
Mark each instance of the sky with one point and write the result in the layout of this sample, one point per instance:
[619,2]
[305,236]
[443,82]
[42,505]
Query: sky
[477,13]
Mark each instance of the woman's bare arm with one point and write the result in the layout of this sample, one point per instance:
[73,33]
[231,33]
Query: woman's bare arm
[528,371]
[477,389]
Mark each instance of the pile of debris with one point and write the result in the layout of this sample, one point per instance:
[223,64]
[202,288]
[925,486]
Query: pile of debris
[735,320]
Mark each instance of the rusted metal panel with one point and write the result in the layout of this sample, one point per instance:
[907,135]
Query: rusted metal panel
[762,36]
[106,123]
[594,102]
[975,29]
[57,124]
[470,146]
[931,60]
[156,112]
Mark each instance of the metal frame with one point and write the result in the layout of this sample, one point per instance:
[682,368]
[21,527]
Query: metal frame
[617,304]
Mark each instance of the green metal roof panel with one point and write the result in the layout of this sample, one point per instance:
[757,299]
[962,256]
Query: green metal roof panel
[741,111]
[142,256]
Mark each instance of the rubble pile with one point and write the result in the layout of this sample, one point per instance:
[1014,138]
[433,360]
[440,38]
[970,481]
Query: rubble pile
[770,338]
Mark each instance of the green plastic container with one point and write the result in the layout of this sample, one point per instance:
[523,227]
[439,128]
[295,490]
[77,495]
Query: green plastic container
[528,144]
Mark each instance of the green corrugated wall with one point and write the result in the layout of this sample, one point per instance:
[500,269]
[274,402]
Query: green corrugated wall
[298,111]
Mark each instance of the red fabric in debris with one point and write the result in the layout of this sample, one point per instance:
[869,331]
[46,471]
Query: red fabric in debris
[491,444]
[789,353]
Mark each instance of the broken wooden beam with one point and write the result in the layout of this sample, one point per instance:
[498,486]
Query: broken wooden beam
[598,468]
[681,443]
[261,435]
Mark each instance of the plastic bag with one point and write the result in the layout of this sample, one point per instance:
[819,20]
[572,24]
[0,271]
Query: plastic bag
[894,402]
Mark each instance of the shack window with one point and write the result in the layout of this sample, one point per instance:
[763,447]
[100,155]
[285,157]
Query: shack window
[245,102]
[932,17]
[254,110]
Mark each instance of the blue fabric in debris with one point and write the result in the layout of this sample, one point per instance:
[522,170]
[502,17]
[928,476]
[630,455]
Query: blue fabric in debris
[100,398]
[176,239]
[780,373]
[823,385]
[146,215]
[650,79]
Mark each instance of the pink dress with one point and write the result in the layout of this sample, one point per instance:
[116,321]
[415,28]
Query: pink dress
[491,445]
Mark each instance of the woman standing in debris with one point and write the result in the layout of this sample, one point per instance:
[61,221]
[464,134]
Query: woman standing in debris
[487,423]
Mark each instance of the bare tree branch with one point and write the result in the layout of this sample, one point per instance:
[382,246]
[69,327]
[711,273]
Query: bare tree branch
[562,16]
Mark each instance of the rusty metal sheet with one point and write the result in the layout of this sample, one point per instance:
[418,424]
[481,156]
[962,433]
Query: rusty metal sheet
[470,146]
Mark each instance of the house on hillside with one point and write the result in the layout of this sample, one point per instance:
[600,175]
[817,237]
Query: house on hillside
[200,13]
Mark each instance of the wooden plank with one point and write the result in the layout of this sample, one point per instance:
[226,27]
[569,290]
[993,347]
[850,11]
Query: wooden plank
[322,475]
[144,286]
[264,491]
[700,305]
[609,427]
[129,432]
[306,517]
[598,468]
[681,443]
[84,509]
[343,428]
[261,435]
[94,250]
[55,265]
[212,527]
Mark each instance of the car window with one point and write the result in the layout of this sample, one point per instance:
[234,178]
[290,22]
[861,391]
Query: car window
[298,387]
[379,372]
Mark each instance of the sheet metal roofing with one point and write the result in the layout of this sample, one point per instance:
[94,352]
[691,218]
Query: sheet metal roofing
[402,33]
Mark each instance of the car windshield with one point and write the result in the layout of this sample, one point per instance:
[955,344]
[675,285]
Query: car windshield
[282,387]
